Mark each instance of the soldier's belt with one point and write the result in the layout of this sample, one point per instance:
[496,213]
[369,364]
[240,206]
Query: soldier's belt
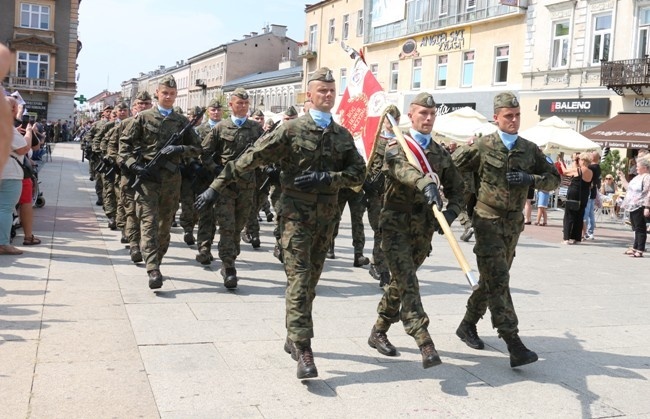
[405,208]
[497,212]
[312,197]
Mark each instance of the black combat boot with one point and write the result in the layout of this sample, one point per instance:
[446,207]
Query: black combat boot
[384,279]
[155,279]
[112,224]
[136,254]
[467,234]
[330,251]
[245,237]
[255,242]
[468,334]
[519,354]
[124,239]
[204,257]
[99,202]
[229,277]
[430,357]
[174,222]
[290,348]
[380,342]
[188,238]
[360,260]
[306,365]
[269,216]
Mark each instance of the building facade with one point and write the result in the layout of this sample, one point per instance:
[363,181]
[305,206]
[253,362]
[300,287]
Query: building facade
[43,34]
[461,51]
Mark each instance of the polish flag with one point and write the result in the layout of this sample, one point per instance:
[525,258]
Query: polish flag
[362,106]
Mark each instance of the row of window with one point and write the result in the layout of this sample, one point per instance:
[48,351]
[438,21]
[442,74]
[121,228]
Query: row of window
[34,16]
[502,55]
[331,30]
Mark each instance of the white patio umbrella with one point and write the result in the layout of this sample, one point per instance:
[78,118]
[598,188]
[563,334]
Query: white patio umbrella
[462,124]
[555,136]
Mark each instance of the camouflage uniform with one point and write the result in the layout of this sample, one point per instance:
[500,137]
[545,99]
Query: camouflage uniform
[94,160]
[224,143]
[110,198]
[374,201]
[157,202]
[407,225]
[206,224]
[356,202]
[498,220]
[306,216]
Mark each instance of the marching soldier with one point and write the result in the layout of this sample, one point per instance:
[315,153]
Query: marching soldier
[207,223]
[507,165]
[225,142]
[317,157]
[374,189]
[93,158]
[407,224]
[157,201]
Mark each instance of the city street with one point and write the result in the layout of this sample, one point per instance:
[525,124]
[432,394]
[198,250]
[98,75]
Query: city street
[82,335]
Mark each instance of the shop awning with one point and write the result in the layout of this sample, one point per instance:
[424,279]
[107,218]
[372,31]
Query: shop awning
[625,130]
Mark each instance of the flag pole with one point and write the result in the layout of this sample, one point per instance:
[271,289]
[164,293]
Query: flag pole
[472,278]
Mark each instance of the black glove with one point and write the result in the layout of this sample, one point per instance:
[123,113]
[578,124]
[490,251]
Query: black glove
[433,196]
[273,173]
[206,197]
[142,173]
[520,178]
[309,180]
[172,149]
[449,217]
[108,161]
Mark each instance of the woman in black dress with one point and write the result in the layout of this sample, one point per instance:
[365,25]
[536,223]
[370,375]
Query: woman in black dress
[578,190]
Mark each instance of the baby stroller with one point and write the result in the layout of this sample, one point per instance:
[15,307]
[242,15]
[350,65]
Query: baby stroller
[38,201]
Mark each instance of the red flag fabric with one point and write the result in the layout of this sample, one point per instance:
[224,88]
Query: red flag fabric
[361,107]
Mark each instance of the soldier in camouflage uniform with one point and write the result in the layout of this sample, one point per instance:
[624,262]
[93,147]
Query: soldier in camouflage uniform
[356,201]
[507,165]
[316,157]
[191,171]
[373,187]
[407,224]
[226,142]
[127,194]
[157,202]
[120,112]
[206,224]
[251,234]
[94,160]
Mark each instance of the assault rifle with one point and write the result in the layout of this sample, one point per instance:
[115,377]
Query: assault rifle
[159,159]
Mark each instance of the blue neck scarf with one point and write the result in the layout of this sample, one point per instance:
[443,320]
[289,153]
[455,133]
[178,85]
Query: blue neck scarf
[508,139]
[164,112]
[422,139]
[322,119]
[238,121]
[388,134]
[212,123]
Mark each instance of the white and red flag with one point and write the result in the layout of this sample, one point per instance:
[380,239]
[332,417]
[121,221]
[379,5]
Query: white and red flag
[362,105]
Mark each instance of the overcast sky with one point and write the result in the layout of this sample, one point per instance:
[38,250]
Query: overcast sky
[121,38]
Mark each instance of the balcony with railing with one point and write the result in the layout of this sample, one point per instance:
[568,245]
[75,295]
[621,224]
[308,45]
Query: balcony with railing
[409,26]
[307,52]
[631,74]
[28,83]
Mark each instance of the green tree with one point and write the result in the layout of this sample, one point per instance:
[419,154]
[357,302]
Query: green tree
[612,163]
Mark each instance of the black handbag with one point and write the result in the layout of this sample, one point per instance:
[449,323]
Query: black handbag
[572,204]
[28,171]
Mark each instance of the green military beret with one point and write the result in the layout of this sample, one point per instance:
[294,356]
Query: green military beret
[214,103]
[258,113]
[241,93]
[291,111]
[506,100]
[122,105]
[394,112]
[168,81]
[322,74]
[424,99]
[143,96]
[193,111]
[178,110]
[107,108]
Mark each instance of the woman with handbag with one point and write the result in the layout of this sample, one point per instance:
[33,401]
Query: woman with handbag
[637,202]
[11,183]
[577,197]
